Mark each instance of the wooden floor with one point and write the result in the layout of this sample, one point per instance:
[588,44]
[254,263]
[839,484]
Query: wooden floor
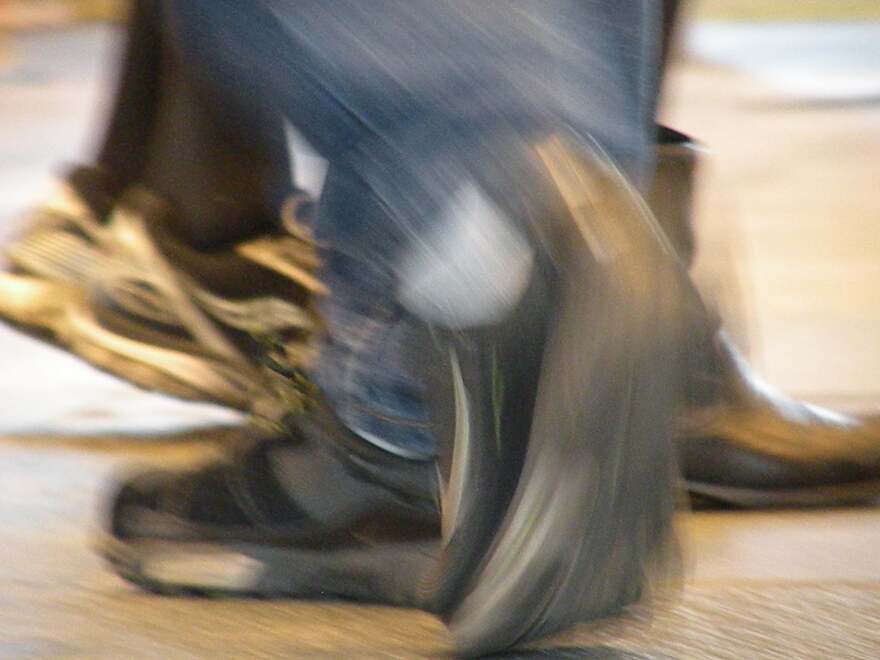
[789,214]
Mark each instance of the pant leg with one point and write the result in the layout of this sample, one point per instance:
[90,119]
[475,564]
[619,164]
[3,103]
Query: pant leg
[404,98]
[126,139]
[226,170]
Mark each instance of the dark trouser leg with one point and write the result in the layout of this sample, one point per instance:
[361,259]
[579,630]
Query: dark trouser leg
[170,131]
[226,172]
[124,147]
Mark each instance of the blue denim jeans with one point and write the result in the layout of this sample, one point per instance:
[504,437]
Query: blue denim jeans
[407,100]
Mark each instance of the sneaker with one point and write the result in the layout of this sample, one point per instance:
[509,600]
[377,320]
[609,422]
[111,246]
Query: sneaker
[559,476]
[194,324]
[56,254]
[309,511]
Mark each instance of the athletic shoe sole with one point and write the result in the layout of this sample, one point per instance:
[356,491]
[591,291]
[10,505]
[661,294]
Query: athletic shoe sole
[382,573]
[862,492]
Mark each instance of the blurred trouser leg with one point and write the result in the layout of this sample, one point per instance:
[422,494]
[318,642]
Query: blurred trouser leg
[126,139]
[225,172]
[363,82]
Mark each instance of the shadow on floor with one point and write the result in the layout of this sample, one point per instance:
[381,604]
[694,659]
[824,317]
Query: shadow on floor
[575,653]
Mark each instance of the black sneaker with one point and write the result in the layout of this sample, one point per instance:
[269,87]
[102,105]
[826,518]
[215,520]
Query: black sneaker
[308,512]
[57,252]
[560,484]
[194,324]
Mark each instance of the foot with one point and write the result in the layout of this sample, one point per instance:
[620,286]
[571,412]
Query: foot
[123,293]
[307,512]
[740,442]
[559,485]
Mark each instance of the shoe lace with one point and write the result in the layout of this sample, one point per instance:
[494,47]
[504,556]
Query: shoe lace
[295,390]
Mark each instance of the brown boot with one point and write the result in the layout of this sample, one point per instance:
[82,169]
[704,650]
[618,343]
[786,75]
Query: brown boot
[740,442]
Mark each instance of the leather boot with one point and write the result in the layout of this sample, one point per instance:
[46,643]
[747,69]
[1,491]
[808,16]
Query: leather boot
[741,442]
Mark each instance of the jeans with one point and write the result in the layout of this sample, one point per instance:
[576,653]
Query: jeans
[408,101]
